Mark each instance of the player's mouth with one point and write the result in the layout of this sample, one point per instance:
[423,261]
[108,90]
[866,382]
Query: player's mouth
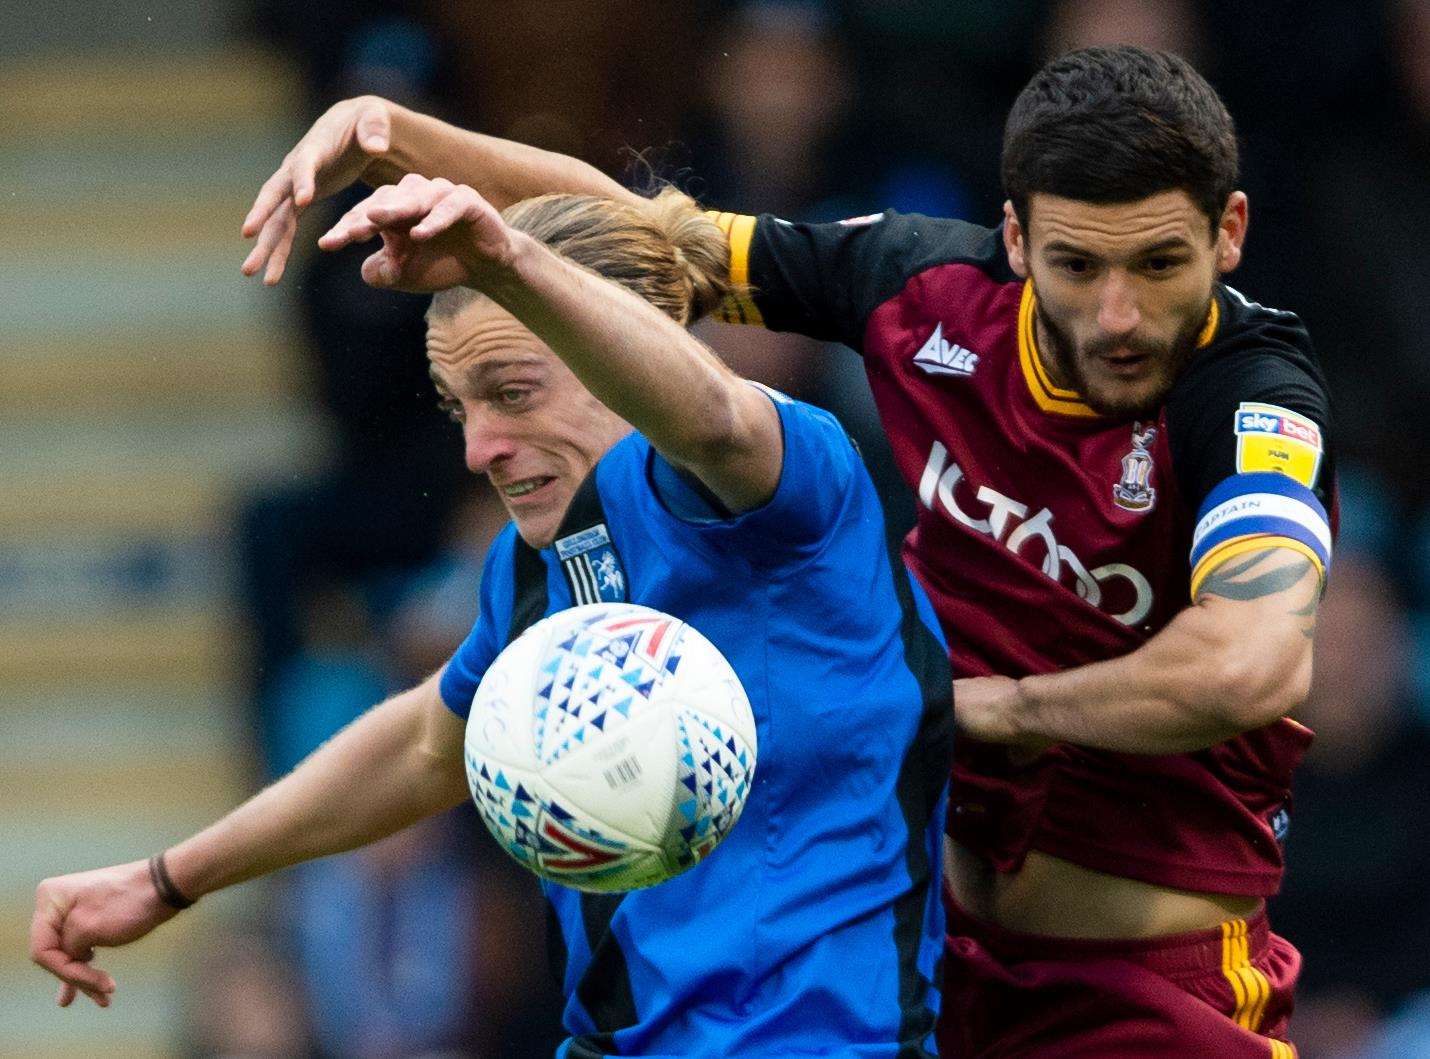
[526,489]
[1125,363]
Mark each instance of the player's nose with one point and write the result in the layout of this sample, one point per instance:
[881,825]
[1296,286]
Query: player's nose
[1117,311]
[486,442]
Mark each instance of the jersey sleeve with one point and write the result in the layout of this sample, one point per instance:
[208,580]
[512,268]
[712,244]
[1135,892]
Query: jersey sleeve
[825,280]
[817,476]
[1249,426]
[464,671]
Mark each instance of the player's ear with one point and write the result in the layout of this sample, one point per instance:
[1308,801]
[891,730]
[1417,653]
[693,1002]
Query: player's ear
[1231,231]
[1014,241]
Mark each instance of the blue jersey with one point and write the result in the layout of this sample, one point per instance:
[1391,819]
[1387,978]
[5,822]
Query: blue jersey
[815,928]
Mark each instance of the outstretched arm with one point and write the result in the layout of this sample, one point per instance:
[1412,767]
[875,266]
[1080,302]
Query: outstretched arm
[1236,660]
[636,360]
[379,142]
[396,764]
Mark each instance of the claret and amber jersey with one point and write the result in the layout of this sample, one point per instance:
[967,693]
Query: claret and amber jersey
[1048,536]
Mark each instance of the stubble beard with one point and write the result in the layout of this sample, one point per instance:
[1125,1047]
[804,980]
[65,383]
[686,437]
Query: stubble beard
[1169,359]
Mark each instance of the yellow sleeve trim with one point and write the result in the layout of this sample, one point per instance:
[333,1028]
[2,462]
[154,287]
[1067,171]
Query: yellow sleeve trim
[1208,331]
[739,306]
[1241,546]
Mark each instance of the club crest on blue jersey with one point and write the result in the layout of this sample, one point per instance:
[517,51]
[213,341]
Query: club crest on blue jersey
[593,569]
[1280,822]
[1134,490]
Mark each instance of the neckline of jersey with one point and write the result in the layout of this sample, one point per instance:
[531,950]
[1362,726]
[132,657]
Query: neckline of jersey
[1058,400]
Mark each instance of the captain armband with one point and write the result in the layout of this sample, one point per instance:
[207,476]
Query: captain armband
[1257,510]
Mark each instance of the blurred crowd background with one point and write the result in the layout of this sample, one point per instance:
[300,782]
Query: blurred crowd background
[232,518]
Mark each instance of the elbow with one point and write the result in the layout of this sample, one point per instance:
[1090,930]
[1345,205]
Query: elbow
[1248,690]
[721,428]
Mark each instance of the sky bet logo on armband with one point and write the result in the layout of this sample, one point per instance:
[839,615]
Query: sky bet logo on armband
[1272,438]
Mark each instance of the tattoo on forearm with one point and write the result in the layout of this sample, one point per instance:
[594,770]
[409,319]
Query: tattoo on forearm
[1280,577]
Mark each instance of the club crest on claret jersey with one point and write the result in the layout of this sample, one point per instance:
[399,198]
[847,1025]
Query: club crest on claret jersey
[1134,491]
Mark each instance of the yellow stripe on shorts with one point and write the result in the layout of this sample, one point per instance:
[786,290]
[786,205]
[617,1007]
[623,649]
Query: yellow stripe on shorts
[1248,985]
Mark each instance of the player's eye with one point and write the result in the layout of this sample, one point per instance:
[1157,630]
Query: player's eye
[1161,265]
[452,409]
[1075,266]
[512,397]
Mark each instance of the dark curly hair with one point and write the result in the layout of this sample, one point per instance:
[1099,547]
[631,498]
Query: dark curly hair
[1117,124]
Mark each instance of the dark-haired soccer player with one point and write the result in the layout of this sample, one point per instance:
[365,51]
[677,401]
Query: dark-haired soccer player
[1124,479]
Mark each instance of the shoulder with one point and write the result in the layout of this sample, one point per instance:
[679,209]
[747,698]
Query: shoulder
[1254,399]
[898,242]
[1256,354]
[809,424]
[825,279]
[1259,342]
[819,474]
[620,470]
[916,244]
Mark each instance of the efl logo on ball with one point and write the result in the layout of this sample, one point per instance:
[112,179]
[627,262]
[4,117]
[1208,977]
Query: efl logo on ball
[610,747]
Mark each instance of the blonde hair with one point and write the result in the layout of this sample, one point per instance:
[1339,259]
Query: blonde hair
[665,249]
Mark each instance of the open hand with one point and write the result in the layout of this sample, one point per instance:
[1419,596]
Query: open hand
[75,914]
[343,145]
[435,235]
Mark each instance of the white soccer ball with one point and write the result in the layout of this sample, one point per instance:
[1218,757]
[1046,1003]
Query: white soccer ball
[610,747]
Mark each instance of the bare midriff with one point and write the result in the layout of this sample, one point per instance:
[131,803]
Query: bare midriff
[1056,898]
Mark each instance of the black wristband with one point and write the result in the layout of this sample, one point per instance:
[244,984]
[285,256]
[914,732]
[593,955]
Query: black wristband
[168,892]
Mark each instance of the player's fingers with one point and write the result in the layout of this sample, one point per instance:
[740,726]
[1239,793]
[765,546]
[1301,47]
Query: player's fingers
[374,131]
[456,205]
[304,168]
[274,190]
[279,222]
[279,261]
[78,973]
[70,990]
[384,268]
[347,231]
[102,997]
[355,226]
[402,208]
[388,208]
[380,270]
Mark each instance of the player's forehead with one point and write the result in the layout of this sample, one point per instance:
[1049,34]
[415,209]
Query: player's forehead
[468,350]
[1166,219]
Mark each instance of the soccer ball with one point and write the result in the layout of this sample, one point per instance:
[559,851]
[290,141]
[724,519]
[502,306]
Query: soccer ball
[610,747]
